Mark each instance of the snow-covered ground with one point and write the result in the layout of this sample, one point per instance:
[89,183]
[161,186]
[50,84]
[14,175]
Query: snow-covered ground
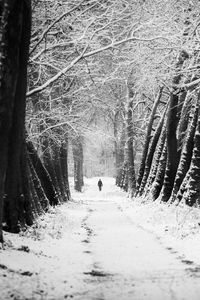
[103,245]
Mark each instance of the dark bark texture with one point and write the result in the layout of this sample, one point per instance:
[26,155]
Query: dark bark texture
[42,173]
[192,189]
[130,150]
[150,155]
[147,140]
[159,178]
[15,28]
[119,155]
[187,148]
[172,123]
[156,160]
[78,163]
[26,188]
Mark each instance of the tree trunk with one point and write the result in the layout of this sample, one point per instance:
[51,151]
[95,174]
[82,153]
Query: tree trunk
[78,163]
[186,154]
[172,153]
[124,177]
[119,151]
[184,117]
[58,170]
[130,151]
[42,202]
[64,166]
[156,161]
[42,174]
[48,159]
[36,206]
[150,154]
[15,32]
[27,201]
[192,188]
[158,182]
[147,139]
[172,122]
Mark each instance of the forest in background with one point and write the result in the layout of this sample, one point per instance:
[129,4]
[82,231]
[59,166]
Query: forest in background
[120,74]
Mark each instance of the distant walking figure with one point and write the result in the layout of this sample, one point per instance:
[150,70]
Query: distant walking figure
[100,184]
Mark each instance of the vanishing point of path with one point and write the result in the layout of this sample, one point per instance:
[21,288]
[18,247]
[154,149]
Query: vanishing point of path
[105,255]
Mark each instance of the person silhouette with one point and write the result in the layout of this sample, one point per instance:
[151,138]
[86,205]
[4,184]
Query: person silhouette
[100,184]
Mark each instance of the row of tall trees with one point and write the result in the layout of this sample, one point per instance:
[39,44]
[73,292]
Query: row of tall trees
[29,184]
[130,64]
[169,165]
[170,168]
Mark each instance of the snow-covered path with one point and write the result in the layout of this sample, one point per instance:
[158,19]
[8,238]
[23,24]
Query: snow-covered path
[93,249]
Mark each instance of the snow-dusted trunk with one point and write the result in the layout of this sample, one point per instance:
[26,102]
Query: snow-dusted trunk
[171,130]
[159,178]
[191,195]
[147,140]
[120,157]
[172,153]
[64,167]
[150,155]
[123,176]
[184,118]
[77,148]
[41,202]
[130,151]
[36,206]
[156,160]
[186,153]
[56,160]
[27,200]
[48,159]
[119,144]
[42,174]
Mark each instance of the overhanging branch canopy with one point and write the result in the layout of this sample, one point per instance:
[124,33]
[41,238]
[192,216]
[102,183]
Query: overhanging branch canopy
[86,54]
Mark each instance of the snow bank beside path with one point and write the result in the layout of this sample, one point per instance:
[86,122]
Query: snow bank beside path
[178,227]
[47,261]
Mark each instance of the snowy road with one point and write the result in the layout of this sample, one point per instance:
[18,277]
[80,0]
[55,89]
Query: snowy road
[92,249]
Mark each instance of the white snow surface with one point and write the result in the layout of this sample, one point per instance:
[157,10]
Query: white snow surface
[102,245]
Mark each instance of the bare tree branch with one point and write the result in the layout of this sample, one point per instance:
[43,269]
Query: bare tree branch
[53,23]
[84,55]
